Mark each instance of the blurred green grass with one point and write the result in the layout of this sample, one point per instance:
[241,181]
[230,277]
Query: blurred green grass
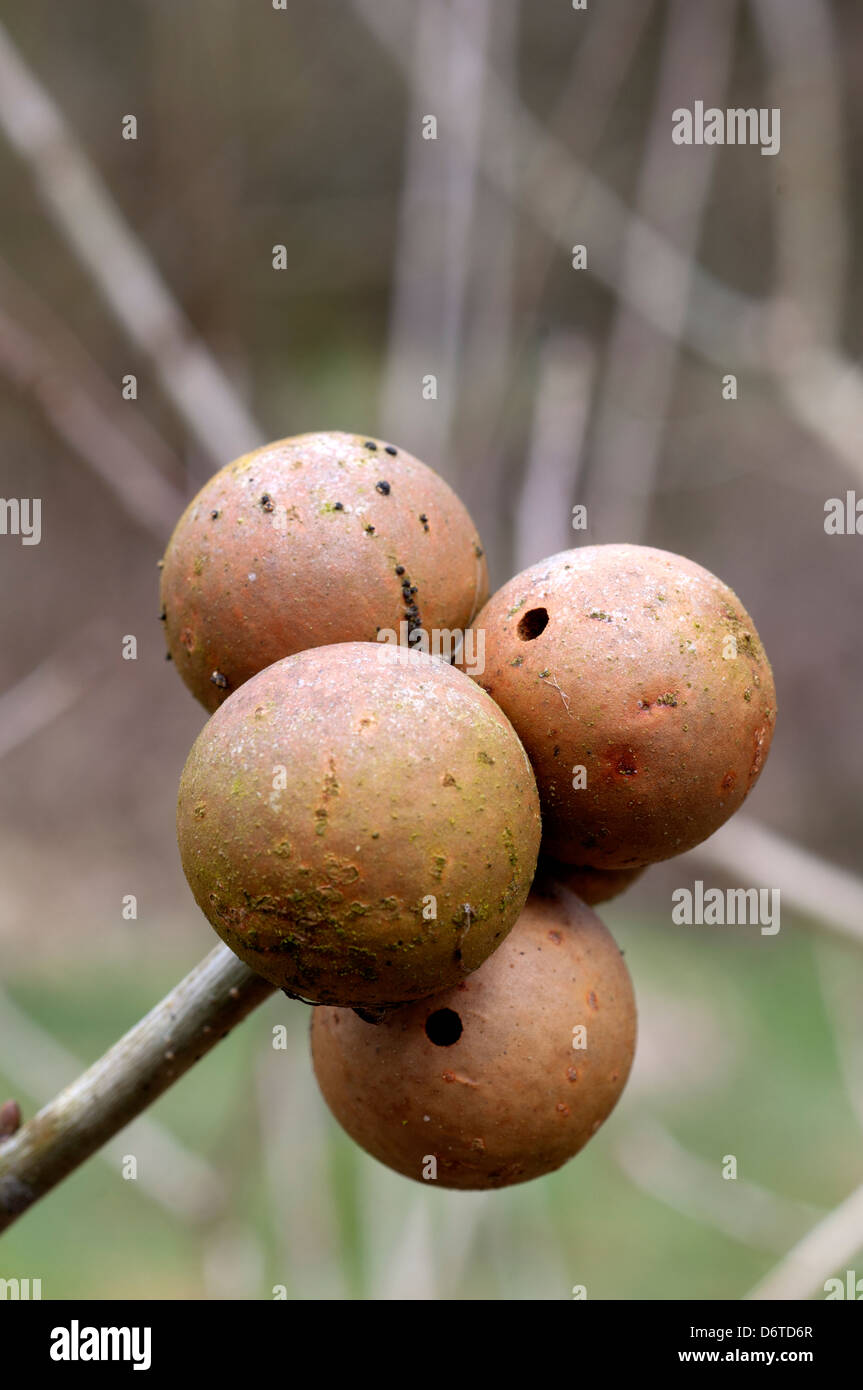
[324,1220]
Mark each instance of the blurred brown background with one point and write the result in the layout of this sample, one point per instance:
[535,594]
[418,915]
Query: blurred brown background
[259,127]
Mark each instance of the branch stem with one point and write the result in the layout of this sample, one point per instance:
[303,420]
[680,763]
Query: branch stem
[202,1009]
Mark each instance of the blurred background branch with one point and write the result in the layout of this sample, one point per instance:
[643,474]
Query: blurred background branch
[641,365]
[555,455]
[54,686]
[823,1251]
[117,261]
[47,364]
[438,204]
[661,1167]
[731,330]
[827,896]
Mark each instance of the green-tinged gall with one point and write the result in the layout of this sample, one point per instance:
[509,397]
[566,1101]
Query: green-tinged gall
[360,824]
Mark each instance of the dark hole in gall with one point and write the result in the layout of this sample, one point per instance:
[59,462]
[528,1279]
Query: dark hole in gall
[532,624]
[443,1027]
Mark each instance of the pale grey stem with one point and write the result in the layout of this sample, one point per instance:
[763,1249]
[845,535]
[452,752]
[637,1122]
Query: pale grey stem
[202,1009]
[179,1180]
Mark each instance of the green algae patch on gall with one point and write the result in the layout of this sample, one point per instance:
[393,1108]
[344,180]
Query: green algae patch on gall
[310,541]
[355,849]
[642,693]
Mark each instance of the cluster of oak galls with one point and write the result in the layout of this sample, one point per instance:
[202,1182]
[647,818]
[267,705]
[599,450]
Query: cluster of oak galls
[417,850]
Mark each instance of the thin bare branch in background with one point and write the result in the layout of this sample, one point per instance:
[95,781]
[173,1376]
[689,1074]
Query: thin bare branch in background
[435,220]
[823,1251]
[723,326]
[673,187]
[457,1230]
[233,1262]
[602,63]
[554,462]
[415,303]
[805,83]
[418,1246]
[823,389]
[56,684]
[465,97]
[830,896]
[490,324]
[272,1110]
[417,245]
[435,1237]
[293,1124]
[409,1272]
[47,364]
[657,1164]
[580,116]
[558,191]
[840,990]
[118,262]
[391,1226]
